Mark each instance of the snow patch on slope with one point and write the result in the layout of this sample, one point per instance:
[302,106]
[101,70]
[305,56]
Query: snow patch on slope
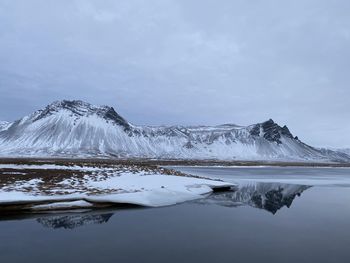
[4,125]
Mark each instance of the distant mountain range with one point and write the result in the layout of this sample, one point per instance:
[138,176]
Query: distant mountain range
[79,129]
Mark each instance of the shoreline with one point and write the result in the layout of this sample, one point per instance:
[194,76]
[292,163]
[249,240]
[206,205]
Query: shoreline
[43,185]
[170,162]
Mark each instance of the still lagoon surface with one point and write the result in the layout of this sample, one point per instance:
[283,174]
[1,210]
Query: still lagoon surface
[275,215]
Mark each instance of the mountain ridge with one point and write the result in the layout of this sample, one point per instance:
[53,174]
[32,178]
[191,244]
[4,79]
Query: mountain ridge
[77,128]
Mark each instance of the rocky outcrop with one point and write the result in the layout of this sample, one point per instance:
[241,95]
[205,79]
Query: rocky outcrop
[271,131]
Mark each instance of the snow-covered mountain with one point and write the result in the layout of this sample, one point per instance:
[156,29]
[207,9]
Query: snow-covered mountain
[75,128]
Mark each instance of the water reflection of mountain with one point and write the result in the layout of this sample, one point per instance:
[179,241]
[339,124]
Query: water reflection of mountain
[268,196]
[73,221]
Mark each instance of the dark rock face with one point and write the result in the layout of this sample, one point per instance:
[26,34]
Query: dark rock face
[111,114]
[189,145]
[285,131]
[271,131]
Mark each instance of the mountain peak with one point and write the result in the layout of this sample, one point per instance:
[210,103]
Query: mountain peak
[80,108]
[269,121]
[271,131]
[73,105]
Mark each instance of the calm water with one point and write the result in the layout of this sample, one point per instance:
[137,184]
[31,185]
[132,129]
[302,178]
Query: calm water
[271,218]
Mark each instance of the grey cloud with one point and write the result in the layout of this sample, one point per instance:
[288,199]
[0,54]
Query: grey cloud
[185,62]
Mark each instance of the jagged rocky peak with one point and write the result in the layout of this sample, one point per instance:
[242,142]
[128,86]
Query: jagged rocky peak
[271,131]
[80,108]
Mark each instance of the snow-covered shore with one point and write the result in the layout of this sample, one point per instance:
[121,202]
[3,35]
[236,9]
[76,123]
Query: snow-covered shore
[88,186]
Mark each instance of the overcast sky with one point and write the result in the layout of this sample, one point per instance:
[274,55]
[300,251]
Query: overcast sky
[183,61]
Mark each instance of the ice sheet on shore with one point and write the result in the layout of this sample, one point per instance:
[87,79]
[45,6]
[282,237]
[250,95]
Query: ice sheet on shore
[62,205]
[127,188]
[310,176]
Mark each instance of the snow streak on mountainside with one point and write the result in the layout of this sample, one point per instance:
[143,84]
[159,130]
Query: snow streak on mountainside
[76,128]
[346,151]
[4,125]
